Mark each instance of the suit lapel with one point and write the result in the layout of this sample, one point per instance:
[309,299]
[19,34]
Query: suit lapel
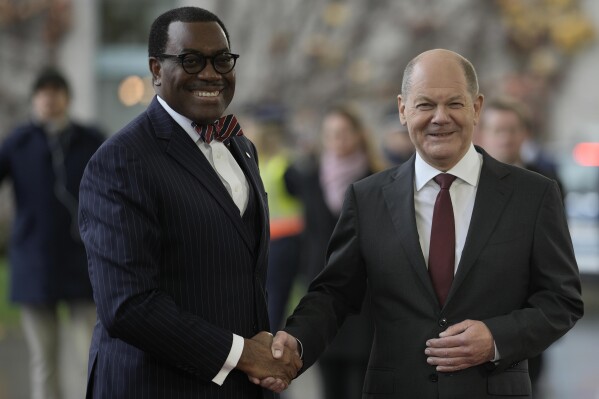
[184,151]
[399,197]
[492,196]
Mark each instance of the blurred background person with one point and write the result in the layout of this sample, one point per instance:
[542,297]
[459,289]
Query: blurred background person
[504,126]
[45,158]
[267,130]
[396,144]
[320,181]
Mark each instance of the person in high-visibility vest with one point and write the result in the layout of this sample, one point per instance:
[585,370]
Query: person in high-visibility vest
[286,218]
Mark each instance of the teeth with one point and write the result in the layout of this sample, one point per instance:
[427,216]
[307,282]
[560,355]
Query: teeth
[206,93]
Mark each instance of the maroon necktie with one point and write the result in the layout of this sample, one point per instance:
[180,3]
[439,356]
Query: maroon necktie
[222,129]
[441,258]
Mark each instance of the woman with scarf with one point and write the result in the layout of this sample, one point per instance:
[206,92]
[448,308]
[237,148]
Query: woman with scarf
[320,181]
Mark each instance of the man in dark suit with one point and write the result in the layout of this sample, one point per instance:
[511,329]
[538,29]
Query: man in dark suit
[175,223]
[513,286]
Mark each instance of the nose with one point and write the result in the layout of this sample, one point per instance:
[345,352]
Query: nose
[441,115]
[209,73]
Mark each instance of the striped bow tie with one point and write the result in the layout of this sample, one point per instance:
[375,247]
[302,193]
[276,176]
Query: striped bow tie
[221,130]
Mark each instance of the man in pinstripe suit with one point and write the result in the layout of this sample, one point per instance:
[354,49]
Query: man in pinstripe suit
[175,223]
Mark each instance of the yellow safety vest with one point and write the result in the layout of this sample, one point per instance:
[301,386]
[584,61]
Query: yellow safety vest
[286,217]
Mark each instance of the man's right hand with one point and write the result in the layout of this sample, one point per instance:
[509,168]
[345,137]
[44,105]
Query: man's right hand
[284,341]
[258,362]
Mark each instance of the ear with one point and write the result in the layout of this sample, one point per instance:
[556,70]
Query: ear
[401,106]
[478,106]
[156,71]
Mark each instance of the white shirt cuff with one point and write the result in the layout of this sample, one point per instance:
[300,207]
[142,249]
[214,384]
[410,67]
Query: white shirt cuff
[232,360]
[301,349]
[497,355]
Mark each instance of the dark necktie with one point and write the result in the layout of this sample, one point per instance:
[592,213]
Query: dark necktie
[441,258]
[222,129]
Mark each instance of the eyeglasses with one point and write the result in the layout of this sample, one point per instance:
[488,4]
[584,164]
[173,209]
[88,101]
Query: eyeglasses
[193,63]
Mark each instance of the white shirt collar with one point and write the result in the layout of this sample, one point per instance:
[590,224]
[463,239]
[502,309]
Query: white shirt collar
[467,169]
[184,122]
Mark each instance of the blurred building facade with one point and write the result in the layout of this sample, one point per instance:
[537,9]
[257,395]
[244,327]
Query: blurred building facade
[307,54]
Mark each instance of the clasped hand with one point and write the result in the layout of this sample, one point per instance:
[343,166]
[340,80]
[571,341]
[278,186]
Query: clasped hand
[269,365]
[463,345]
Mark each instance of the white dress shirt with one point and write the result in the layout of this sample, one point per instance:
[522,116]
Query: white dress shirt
[234,180]
[462,192]
[221,159]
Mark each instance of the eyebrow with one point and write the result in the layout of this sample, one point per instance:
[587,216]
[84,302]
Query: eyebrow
[194,51]
[458,97]
[428,99]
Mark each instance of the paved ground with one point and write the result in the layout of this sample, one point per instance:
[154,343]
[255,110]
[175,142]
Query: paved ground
[14,377]
[572,363]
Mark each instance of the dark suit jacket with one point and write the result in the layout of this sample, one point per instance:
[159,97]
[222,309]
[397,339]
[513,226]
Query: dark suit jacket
[517,274]
[171,262]
[47,258]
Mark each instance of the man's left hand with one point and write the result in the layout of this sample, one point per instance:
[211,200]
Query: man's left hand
[461,346]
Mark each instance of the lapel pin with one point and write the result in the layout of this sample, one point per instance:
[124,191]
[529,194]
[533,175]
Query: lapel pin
[248,154]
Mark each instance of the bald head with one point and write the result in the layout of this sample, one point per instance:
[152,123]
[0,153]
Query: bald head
[440,56]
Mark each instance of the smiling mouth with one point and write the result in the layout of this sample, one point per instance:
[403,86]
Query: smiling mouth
[206,93]
[441,134]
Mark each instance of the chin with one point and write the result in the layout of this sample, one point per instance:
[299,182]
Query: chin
[207,117]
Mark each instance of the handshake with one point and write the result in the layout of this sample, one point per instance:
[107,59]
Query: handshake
[270,363]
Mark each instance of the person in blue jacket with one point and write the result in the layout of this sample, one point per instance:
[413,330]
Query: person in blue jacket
[45,158]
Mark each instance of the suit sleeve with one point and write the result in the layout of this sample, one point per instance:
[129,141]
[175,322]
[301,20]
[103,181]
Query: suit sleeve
[123,238]
[336,292]
[554,303]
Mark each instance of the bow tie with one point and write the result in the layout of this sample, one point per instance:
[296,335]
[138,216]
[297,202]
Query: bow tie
[222,129]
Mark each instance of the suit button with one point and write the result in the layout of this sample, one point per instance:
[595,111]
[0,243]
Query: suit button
[433,377]
[442,322]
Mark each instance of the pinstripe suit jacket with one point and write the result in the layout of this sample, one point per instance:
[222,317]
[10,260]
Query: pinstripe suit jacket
[171,265]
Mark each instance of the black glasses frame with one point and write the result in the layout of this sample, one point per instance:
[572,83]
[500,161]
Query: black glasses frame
[203,61]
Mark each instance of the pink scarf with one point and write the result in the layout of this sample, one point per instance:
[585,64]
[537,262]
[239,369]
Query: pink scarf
[336,174]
